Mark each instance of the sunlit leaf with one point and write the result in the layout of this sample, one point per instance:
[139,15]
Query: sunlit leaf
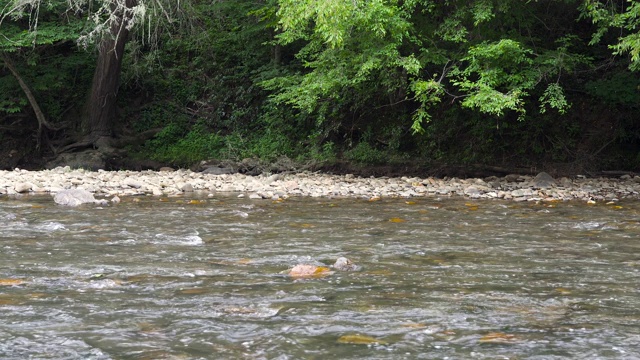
[397,220]
[11,282]
[375,198]
[6,299]
[410,202]
[471,207]
[562,291]
[303,225]
[438,261]
[37,295]
[321,270]
[380,272]
[498,338]
[358,339]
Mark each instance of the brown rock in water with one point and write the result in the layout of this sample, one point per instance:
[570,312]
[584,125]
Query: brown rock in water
[302,271]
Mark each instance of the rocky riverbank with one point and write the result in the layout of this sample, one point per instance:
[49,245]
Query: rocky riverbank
[165,183]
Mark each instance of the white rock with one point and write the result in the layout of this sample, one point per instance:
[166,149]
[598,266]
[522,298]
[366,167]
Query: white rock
[187,187]
[73,197]
[22,187]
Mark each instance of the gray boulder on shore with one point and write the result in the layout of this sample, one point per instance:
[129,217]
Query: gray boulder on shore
[543,181]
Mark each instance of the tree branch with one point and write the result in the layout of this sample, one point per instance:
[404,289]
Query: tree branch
[42,120]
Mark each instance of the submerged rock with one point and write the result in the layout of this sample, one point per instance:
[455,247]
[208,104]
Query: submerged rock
[301,271]
[75,197]
[344,264]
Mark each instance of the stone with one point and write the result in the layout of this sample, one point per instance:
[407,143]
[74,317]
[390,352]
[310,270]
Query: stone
[272,178]
[133,183]
[566,182]
[187,188]
[215,170]
[344,264]
[518,193]
[543,181]
[74,197]
[472,190]
[22,187]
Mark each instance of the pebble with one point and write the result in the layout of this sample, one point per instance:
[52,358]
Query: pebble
[280,186]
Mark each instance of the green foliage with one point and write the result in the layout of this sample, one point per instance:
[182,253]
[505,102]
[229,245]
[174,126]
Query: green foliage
[451,50]
[325,153]
[621,88]
[364,153]
[497,77]
[349,44]
[624,19]
[427,93]
[174,146]
[369,81]
[39,42]
[554,98]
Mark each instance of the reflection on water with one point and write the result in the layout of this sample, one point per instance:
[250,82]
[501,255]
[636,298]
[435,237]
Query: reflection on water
[172,278]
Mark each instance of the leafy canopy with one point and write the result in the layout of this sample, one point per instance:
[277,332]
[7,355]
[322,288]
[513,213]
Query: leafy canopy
[623,17]
[428,50]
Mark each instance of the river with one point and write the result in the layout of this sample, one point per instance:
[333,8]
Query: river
[206,278]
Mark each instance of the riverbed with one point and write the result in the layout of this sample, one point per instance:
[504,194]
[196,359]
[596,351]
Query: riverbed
[541,187]
[201,277]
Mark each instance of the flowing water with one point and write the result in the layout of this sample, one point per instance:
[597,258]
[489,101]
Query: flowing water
[189,278]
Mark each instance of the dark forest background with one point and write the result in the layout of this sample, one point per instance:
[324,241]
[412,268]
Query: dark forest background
[504,84]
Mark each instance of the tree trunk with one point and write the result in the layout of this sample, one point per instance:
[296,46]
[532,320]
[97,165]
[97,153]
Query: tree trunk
[101,105]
